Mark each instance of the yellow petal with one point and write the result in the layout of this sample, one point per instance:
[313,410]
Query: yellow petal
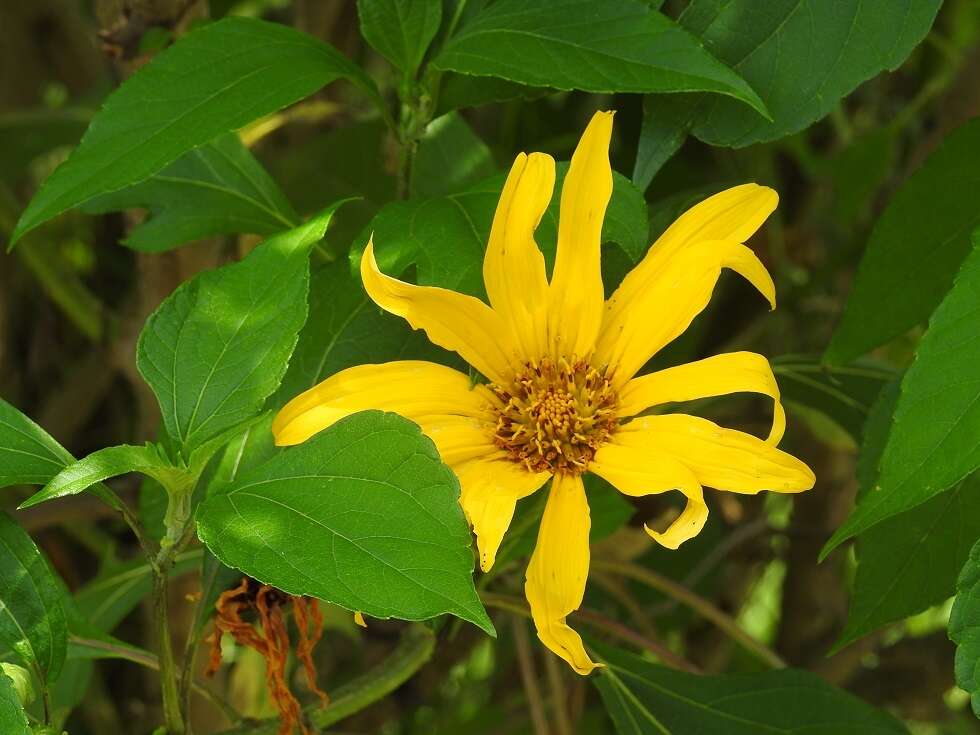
[641,471]
[651,308]
[359,619]
[489,490]
[733,214]
[724,459]
[576,294]
[558,569]
[413,388]
[734,372]
[513,268]
[452,320]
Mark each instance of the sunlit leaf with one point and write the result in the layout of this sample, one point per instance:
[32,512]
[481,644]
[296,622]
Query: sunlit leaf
[377,514]
[218,346]
[217,78]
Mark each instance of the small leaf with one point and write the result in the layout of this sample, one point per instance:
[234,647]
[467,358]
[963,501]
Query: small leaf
[217,189]
[28,455]
[363,515]
[217,78]
[32,618]
[450,158]
[13,720]
[964,628]
[400,30]
[915,248]
[218,346]
[596,47]
[935,440]
[103,464]
[644,698]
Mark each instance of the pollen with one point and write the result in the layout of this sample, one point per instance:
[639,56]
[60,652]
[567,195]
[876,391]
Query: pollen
[554,415]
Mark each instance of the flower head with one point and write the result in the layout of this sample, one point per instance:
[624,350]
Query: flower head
[563,397]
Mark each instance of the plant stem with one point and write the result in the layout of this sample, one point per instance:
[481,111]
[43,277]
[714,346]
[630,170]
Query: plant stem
[612,627]
[529,677]
[173,714]
[669,587]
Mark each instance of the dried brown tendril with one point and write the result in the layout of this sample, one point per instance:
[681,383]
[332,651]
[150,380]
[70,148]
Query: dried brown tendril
[237,612]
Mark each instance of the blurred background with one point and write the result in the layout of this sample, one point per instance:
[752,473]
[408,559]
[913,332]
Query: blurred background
[72,300]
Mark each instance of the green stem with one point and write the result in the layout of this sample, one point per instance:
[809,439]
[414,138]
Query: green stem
[173,714]
[679,592]
[413,651]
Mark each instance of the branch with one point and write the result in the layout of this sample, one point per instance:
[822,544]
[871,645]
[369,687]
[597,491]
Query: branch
[707,610]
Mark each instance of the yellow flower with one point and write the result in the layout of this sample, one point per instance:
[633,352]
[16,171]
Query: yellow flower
[562,398]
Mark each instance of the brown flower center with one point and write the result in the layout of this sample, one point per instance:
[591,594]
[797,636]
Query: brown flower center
[555,415]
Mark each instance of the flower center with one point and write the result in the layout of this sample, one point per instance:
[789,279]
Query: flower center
[555,415]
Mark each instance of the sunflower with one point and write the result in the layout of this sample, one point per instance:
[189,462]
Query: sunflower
[562,397]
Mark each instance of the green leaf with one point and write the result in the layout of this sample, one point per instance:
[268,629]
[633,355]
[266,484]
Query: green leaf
[915,248]
[217,78]
[217,189]
[345,328]
[446,236]
[110,597]
[32,619]
[218,346]
[28,455]
[909,562]
[801,56]
[450,158]
[377,514]
[596,47]
[103,464]
[844,395]
[964,628]
[935,440]
[644,698]
[13,720]
[400,30]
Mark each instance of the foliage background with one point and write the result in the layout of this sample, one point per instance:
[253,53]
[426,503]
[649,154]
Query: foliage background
[72,302]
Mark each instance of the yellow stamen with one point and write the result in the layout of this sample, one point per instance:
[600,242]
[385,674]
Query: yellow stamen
[555,415]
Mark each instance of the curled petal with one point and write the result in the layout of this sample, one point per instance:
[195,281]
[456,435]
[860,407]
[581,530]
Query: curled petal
[734,372]
[556,575]
[640,471]
[724,459]
[650,309]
